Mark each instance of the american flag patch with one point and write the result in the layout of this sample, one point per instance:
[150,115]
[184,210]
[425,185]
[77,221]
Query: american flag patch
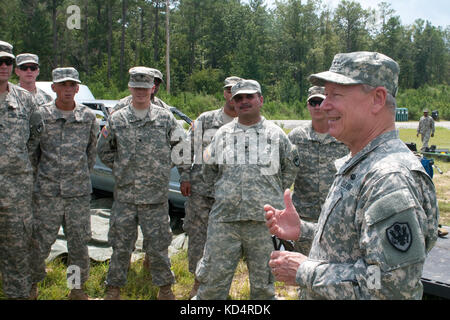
[105,132]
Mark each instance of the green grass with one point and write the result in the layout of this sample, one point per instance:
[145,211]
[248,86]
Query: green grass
[441,181]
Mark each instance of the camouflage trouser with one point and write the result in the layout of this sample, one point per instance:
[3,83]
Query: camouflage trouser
[123,227]
[225,244]
[75,217]
[15,248]
[195,224]
[425,138]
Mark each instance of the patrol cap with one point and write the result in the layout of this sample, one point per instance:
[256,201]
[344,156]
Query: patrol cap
[425,110]
[245,87]
[230,81]
[6,50]
[27,58]
[371,68]
[65,74]
[316,92]
[157,74]
[141,77]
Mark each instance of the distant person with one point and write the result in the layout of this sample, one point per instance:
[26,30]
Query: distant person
[27,70]
[201,197]
[318,151]
[62,193]
[380,218]
[426,129]
[248,161]
[137,145]
[19,126]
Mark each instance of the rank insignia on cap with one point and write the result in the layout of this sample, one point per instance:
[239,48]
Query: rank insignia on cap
[105,132]
[399,236]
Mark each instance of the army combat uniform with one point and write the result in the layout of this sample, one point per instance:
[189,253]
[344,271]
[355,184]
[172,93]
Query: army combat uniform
[376,227]
[66,156]
[426,128]
[41,97]
[138,150]
[20,126]
[199,203]
[250,167]
[316,173]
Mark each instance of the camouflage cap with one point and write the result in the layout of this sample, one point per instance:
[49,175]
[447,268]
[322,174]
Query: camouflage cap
[316,92]
[425,110]
[157,74]
[65,74]
[245,87]
[230,81]
[27,58]
[371,68]
[141,77]
[6,50]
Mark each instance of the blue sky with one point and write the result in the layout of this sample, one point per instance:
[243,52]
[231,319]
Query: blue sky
[435,11]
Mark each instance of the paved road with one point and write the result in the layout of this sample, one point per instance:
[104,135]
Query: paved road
[290,124]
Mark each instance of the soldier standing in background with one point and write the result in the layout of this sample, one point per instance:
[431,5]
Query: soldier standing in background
[380,218]
[65,157]
[137,144]
[317,151]
[201,197]
[426,129]
[248,161]
[19,126]
[27,70]
[158,78]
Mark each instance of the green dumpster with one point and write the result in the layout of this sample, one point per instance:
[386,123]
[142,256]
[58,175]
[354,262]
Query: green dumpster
[401,114]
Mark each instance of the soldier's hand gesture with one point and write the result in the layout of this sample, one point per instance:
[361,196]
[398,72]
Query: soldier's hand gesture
[285,224]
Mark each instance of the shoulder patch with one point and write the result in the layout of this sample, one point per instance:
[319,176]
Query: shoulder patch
[105,132]
[399,236]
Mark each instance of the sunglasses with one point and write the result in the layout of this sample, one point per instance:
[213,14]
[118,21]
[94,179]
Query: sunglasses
[24,68]
[8,62]
[314,103]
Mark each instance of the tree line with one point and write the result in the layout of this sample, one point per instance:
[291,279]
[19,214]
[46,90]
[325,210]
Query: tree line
[212,39]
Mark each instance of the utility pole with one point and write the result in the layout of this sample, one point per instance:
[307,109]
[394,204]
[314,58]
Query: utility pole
[167,48]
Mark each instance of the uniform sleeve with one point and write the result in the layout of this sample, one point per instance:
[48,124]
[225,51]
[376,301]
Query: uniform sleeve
[107,145]
[393,222]
[179,142]
[33,144]
[210,170]
[91,150]
[290,162]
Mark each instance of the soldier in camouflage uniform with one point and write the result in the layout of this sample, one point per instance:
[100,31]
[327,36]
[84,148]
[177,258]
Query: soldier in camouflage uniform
[137,144]
[19,127]
[317,151]
[158,78]
[27,70]
[380,218]
[426,129]
[249,161]
[65,157]
[201,197]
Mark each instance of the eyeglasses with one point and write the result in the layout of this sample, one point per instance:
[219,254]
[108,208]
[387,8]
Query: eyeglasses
[25,67]
[8,61]
[314,103]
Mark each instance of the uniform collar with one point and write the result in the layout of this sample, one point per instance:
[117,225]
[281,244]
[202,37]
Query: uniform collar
[371,146]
